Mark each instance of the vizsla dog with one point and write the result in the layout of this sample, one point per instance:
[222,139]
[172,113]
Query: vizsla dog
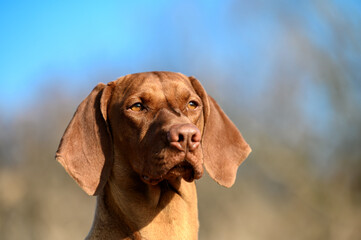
[138,143]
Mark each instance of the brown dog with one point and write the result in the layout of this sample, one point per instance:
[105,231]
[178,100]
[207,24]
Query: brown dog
[138,143]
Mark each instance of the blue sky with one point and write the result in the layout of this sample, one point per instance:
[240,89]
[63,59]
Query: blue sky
[76,39]
[44,35]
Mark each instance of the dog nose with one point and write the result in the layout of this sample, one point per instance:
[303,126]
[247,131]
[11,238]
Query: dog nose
[184,136]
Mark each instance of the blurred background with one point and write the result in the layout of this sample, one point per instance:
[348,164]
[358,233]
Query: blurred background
[288,73]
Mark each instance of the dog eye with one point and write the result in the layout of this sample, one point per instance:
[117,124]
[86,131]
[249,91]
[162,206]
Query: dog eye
[137,107]
[192,105]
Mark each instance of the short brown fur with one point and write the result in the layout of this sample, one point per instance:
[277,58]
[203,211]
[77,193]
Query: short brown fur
[141,161]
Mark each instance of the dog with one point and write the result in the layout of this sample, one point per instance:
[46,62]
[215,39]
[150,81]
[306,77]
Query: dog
[138,144]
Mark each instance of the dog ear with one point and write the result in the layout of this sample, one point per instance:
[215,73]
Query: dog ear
[224,148]
[85,150]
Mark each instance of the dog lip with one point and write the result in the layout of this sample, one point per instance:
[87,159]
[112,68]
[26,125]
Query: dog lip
[151,181]
[183,169]
[186,165]
[183,165]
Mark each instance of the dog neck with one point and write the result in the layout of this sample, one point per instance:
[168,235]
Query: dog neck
[141,211]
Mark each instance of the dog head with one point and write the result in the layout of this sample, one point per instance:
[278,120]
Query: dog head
[163,124]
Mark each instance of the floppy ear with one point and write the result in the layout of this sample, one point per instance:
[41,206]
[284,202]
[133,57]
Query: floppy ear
[224,148]
[85,150]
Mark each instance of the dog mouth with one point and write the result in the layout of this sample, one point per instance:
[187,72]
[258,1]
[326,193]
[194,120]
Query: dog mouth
[183,170]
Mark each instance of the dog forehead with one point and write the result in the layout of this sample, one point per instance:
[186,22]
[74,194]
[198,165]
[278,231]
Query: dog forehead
[155,83]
